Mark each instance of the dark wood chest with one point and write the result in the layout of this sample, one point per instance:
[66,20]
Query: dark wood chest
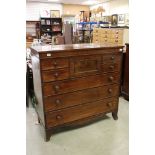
[74,84]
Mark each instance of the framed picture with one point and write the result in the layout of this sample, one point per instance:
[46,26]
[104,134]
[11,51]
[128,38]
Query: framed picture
[55,13]
[121,19]
[114,19]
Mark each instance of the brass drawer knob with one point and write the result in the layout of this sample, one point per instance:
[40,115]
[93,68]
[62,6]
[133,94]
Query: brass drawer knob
[109,104]
[57,101]
[120,49]
[58,117]
[111,78]
[110,90]
[56,88]
[56,75]
[112,58]
[111,67]
[55,63]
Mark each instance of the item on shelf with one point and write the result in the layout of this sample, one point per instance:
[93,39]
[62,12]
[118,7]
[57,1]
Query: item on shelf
[42,21]
[48,22]
[56,28]
[55,13]
[114,20]
[53,26]
[46,38]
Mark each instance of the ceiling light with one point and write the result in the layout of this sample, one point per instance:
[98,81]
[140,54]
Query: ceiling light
[90,2]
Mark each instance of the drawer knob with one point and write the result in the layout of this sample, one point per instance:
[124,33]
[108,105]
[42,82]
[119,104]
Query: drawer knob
[57,101]
[112,58]
[111,67]
[110,90]
[109,104]
[120,49]
[56,75]
[58,117]
[55,63]
[56,87]
[111,78]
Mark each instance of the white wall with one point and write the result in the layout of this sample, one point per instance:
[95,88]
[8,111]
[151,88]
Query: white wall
[114,7]
[33,9]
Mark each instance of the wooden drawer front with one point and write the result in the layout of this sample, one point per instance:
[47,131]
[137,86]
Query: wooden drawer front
[81,111]
[105,40]
[53,63]
[111,67]
[53,75]
[95,30]
[116,41]
[105,31]
[116,36]
[111,58]
[96,35]
[105,35]
[79,97]
[117,31]
[85,65]
[60,87]
[96,40]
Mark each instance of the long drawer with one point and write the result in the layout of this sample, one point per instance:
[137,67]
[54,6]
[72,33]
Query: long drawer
[80,97]
[80,111]
[53,75]
[75,84]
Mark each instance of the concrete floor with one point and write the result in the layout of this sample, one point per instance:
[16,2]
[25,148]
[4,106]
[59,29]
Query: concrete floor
[105,137]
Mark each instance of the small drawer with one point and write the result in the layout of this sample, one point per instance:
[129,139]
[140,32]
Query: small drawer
[116,36]
[49,63]
[96,35]
[105,40]
[96,30]
[96,41]
[53,75]
[111,58]
[81,111]
[116,41]
[105,31]
[105,35]
[117,31]
[111,67]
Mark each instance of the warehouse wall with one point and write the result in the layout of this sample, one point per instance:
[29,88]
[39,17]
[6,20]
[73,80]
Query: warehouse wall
[114,7]
[33,9]
[74,9]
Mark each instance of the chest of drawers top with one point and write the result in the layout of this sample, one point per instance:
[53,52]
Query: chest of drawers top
[54,51]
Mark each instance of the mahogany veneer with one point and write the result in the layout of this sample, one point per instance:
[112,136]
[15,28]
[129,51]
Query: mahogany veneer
[75,84]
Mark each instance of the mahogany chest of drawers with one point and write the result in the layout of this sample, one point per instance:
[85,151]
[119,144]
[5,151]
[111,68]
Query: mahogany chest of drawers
[74,84]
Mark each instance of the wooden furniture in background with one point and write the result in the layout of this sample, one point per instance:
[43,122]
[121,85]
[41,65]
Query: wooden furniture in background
[125,74]
[32,30]
[75,84]
[51,26]
[108,35]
